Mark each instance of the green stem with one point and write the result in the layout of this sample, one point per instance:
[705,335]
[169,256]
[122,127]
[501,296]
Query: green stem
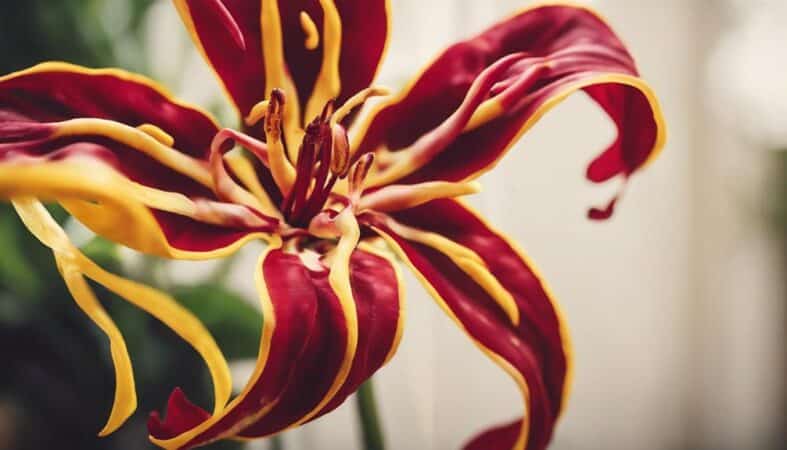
[277,443]
[367,414]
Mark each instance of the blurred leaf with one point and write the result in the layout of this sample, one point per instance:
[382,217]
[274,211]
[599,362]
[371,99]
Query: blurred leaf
[104,253]
[18,273]
[233,322]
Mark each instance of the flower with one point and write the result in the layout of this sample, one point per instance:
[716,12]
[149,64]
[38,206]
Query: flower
[333,168]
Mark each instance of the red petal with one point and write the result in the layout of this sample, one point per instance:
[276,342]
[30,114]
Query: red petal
[502,437]
[42,122]
[536,348]
[566,48]
[181,415]
[306,347]
[242,70]
[53,92]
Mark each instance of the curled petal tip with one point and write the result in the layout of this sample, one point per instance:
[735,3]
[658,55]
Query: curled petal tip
[181,415]
[602,213]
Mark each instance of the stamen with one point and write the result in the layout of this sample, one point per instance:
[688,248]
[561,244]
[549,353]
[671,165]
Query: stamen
[225,187]
[306,161]
[358,174]
[310,30]
[256,147]
[327,111]
[225,17]
[357,100]
[328,84]
[321,189]
[281,169]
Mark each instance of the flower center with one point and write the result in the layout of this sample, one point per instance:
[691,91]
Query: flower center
[323,159]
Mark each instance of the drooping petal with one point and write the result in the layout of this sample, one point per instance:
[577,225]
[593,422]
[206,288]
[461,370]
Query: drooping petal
[461,114]
[315,348]
[379,302]
[274,51]
[75,268]
[122,156]
[447,244]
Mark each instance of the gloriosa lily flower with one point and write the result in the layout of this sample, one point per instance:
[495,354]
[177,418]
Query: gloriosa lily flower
[333,170]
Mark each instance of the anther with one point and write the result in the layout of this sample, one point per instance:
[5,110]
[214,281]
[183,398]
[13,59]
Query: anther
[281,168]
[327,111]
[340,158]
[274,115]
[358,174]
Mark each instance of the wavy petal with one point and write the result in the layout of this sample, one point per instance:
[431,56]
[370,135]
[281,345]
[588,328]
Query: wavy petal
[466,109]
[275,53]
[316,349]
[532,345]
[75,268]
[123,157]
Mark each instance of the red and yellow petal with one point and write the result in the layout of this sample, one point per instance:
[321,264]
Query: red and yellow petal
[255,46]
[460,116]
[324,333]
[56,91]
[440,241]
[122,156]
[76,268]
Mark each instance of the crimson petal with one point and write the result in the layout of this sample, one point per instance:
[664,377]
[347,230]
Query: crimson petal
[305,335]
[534,351]
[93,131]
[241,69]
[461,114]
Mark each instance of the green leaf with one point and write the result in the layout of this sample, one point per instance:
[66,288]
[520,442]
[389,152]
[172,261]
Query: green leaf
[104,253]
[234,323]
[18,273]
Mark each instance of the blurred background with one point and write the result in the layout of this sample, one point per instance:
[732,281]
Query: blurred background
[677,305]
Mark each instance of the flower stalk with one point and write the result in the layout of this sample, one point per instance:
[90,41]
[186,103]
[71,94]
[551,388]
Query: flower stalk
[369,418]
